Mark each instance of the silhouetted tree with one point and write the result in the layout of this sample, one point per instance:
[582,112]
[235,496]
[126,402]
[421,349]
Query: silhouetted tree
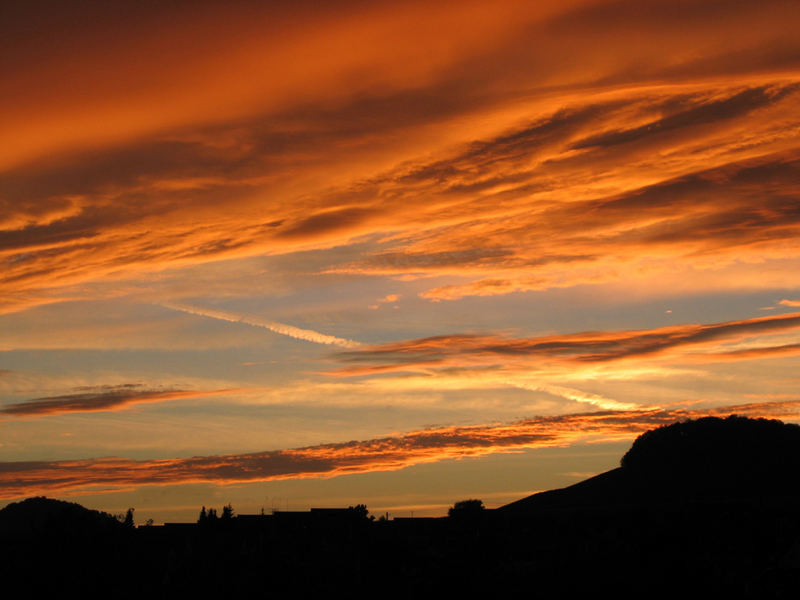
[466,509]
[227,512]
[203,518]
[212,514]
[128,521]
[361,513]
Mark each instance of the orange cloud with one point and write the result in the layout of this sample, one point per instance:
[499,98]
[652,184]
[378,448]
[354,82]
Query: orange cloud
[445,236]
[105,398]
[751,353]
[136,141]
[730,214]
[590,348]
[120,74]
[380,454]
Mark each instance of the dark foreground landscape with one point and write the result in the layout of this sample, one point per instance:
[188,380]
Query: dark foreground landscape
[706,507]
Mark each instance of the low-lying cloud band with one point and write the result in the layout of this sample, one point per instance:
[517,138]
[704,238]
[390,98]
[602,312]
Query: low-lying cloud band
[104,399]
[578,349]
[379,454]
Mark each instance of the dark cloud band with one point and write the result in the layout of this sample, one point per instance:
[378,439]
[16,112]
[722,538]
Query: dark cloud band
[380,454]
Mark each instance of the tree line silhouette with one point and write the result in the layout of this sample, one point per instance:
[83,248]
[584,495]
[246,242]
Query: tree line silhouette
[210,515]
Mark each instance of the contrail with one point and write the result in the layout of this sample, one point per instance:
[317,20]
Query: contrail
[579,396]
[282,328]
[588,398]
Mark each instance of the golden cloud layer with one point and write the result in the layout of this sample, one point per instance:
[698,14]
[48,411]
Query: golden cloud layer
[576,351]
[517,146]
[380,454]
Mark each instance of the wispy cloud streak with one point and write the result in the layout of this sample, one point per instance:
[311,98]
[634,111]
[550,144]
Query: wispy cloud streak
[104,399]
[590,348]
[308,335]
[379,454]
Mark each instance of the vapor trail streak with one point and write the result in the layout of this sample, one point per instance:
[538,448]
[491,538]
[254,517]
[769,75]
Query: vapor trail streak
[308,335]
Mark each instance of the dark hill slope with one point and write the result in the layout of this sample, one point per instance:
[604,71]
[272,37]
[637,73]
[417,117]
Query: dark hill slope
[706,460]
[41,516]
[49,547]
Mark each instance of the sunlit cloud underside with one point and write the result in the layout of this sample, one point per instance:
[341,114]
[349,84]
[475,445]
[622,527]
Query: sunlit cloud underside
[381,454]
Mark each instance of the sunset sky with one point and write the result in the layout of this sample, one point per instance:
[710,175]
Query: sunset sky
[394,253]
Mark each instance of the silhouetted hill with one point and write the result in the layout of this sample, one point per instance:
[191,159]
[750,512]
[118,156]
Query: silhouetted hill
[703,460]
[49,546]
[45,516]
